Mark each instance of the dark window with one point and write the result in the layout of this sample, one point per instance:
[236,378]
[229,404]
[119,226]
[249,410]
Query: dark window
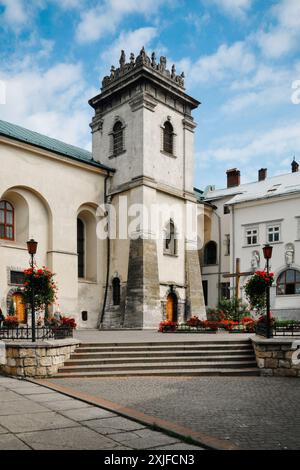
[116,291]
[80,247]
[118,143]
[205,291]
[168,137]
[6,221]
[84,315]
[226,210]
[225,290]
[210,253]
[288,283]
[17,278]
[227,245]
[170,241]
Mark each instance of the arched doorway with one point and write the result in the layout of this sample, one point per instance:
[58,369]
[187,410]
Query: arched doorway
[171,308]
[19,307]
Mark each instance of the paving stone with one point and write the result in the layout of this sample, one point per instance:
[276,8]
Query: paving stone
[113,425]
[3,430]
[178,446]
[252,412]
[65,404]
[29,389]
[79,438]
[19,406]
[35,422]
[43,397]
[88,413]
[11,442]
[146,439]
[9,395]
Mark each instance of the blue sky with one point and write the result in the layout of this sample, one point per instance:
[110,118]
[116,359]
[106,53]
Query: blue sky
[240,57]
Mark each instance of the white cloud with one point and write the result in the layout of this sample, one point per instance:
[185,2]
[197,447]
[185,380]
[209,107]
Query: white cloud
[104,19]
[284,36]
[236,8]
[15,13]
[52,101]
[130,41]
[277,143]
[227,61]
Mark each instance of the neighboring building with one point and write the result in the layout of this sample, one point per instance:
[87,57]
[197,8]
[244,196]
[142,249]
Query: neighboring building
[239,220]
[143,136]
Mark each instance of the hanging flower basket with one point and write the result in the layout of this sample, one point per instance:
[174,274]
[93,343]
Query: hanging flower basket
[255,289]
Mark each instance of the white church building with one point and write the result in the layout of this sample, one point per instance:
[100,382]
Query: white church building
[239,221]
[143,154]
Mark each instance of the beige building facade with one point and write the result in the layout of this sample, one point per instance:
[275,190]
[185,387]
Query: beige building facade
[60,195]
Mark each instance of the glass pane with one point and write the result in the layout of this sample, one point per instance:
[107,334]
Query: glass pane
[270,238]
[9,233]
[270,229]
[2,204]
[280,289]
[298,289]
[290,275]
[254,239]
[2,231]
[298,276]
[276,237]
[276,229]
[290,289]
[2,217]
[9,218]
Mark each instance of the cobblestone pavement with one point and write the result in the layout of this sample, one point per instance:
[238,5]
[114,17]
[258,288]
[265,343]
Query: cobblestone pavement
[251,412]
[34,417]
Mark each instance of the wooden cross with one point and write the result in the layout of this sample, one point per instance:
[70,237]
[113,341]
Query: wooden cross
[237,275]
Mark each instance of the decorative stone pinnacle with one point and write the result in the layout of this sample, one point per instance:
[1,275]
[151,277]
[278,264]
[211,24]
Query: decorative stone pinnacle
[142,60]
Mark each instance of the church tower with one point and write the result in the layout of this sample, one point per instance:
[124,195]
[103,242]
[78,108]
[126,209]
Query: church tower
[144,129]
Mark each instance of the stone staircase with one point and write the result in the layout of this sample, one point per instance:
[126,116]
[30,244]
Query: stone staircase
[190,358]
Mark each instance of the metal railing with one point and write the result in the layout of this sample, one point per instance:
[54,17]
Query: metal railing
[42,332]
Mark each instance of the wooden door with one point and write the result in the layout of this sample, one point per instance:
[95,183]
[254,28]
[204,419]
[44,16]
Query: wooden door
[19,306]
[171,310]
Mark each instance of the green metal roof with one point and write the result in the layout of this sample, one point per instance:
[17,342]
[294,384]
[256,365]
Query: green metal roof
[21,134]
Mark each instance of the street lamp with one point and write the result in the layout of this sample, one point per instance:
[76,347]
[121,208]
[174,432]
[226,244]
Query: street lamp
[32,249]
[268,249]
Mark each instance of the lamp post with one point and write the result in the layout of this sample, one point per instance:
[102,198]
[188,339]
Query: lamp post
[268,249]
[32,249]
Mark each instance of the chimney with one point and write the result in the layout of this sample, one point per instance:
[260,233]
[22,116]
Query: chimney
[262,174]
[233,177]
[295,166]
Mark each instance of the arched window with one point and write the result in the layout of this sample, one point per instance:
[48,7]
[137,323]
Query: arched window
[116,291]
[118,138]
[7,229]
[81,248]
[210,253]
[288,283]
[168,138]
[170,247]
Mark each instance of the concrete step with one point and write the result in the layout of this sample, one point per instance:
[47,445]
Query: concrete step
[169,343]
[158,354]
[168,347]
[125,360]
[158,366]
[207,372]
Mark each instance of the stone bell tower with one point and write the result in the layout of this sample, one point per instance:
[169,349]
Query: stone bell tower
[143,127]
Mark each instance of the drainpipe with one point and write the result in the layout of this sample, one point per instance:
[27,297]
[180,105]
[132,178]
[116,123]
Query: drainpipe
[107,258]
[220,256]
[233,240]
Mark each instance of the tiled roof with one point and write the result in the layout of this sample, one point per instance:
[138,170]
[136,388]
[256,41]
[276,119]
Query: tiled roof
[271,187]
[21,134]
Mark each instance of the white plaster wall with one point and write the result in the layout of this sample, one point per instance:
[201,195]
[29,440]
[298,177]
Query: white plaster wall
[54,190]
[261,213]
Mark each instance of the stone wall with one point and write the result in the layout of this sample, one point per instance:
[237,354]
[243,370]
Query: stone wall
[40,359]
[279,357]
